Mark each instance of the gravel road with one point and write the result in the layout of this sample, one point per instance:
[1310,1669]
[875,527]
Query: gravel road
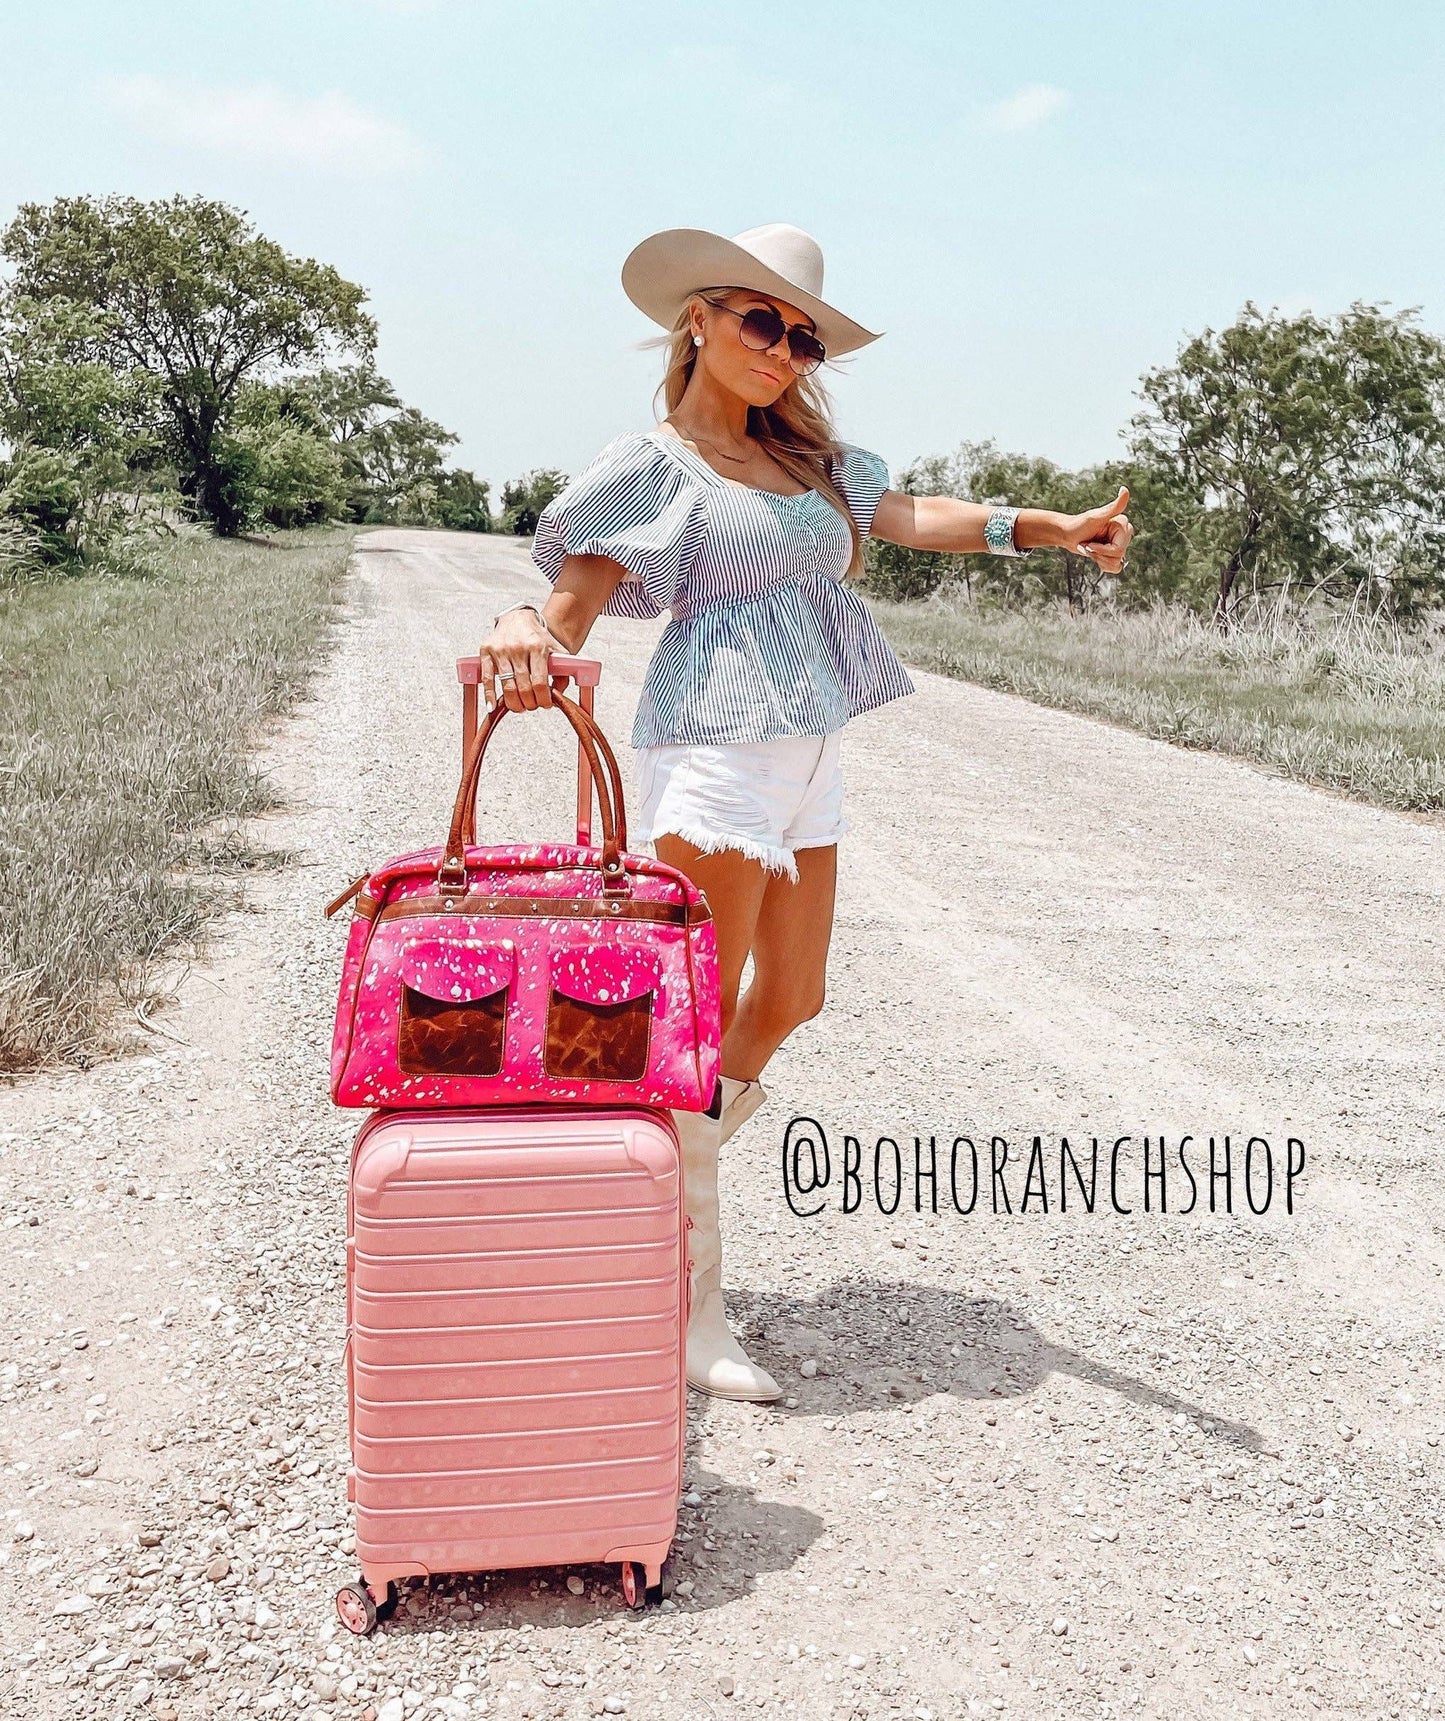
[1039,1462]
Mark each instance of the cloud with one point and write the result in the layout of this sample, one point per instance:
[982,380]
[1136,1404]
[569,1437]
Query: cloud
[264,122]
[1025,109]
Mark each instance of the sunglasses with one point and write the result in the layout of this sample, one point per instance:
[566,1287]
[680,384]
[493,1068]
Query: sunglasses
[762,328]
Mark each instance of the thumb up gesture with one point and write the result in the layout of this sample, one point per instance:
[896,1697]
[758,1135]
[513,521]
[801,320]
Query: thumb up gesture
[1102,534]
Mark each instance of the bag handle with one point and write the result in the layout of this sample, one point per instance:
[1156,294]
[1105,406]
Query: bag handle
[602,746]
[452,873]
[469,827]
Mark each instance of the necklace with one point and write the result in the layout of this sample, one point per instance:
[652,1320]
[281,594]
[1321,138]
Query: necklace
[737,459]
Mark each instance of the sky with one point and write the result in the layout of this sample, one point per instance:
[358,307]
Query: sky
[1038,201]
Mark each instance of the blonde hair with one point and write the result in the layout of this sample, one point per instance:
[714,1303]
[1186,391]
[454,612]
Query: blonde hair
[796,429]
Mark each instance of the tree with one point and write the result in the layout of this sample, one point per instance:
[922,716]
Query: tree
[524,498]
[71,433]
[1309,449]
[392,456]
[463,502]
[185,292]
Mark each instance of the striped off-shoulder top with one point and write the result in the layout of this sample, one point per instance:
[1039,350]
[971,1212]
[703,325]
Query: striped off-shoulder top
[766,638]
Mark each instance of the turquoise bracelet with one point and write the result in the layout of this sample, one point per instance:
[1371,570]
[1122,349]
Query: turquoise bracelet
[998,533]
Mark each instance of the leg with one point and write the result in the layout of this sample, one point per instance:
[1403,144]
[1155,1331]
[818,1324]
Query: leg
[748,807]
[791,934]
[716,1363]
[734,885]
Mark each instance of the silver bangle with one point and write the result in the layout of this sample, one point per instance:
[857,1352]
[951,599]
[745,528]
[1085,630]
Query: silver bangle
[524,605]
[998,533]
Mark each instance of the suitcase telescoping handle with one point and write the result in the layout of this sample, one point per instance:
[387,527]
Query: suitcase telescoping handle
[586,672]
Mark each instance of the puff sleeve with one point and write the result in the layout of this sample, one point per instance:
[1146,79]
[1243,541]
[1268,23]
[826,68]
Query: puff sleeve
[862,477]
[635,505]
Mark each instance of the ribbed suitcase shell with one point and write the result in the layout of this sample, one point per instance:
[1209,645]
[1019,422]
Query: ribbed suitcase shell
[516,1303]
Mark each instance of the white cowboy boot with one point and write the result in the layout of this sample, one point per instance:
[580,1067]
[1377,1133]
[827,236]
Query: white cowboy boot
[740,1100]
[716,1362]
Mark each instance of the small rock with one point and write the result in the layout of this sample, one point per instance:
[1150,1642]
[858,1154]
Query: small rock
[808,1367]
[1393,1619]
[1250,1655]
[324,1686]
[613,1706]
[1060,1627]
[392,1710]
[218,1568]
[149,1538]
[23,1531]
[576,1585]
[855,1661]
[266,1616]
[170,1667]
[693,1499]
[763,1456]
[86,1467]
[72,1605]
[725,1685]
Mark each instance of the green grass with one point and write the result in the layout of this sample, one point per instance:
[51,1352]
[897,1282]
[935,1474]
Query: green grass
[1347,702]
[127,705]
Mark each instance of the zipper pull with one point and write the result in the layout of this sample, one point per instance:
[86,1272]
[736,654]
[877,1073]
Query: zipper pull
[351,890]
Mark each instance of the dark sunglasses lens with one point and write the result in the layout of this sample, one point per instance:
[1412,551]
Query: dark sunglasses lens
[807,350]
[761,329]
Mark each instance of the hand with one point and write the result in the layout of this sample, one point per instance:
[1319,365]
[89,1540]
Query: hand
[1102,534]
[515,653]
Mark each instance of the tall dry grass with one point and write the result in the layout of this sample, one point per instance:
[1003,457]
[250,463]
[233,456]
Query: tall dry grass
[126,708]
[1346,700]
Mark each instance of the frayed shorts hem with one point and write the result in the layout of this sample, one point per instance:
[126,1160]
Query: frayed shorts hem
[778,860]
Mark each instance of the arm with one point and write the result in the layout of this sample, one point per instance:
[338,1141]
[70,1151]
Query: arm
[956,527]
[521,643]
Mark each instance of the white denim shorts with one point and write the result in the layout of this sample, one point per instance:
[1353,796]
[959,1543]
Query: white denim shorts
[766,798]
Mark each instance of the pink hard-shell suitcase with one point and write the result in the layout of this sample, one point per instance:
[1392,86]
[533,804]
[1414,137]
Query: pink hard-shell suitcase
[517,1306]
[517,1300]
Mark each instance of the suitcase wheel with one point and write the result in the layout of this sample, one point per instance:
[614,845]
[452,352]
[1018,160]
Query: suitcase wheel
[662,1589]
[637,1593]
[357,1608]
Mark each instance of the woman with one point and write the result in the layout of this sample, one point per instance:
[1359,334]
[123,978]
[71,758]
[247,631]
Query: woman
[744,515]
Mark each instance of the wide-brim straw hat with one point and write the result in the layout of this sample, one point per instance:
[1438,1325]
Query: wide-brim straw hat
[776,259]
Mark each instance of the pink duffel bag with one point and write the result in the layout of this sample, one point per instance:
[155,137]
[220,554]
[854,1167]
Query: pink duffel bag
[480,976]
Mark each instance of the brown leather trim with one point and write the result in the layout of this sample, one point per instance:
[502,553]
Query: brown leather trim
[553,907]
[346,895]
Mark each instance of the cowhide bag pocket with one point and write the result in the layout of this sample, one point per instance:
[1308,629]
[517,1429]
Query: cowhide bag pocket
[455,998]
[600,1010]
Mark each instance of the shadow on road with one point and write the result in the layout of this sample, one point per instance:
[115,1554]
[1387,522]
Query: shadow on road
[756,1535]
[878,1344]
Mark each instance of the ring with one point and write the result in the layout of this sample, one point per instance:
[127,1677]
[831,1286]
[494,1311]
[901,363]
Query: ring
[506,675]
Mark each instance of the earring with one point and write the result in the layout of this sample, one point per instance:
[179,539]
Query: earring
[697,340]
